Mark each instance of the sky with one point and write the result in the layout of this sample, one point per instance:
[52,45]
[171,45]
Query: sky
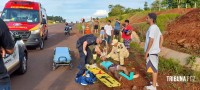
[74,10]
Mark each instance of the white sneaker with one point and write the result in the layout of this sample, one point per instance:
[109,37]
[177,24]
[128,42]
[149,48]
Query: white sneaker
[87,65]
[156,84]
[87,75]
[150,87]
[94,65]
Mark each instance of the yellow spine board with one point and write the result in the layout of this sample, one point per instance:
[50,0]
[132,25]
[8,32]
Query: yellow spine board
[104,77]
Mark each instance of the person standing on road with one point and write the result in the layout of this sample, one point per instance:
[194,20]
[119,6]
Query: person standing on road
[126,34]
[6,46]
[108,32]
[153,44]
[82,45]
[117,29]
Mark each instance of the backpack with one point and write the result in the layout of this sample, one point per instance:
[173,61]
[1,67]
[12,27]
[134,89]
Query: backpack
[87,79]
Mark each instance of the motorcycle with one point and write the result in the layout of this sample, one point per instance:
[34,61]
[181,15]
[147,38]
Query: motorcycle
[67,30]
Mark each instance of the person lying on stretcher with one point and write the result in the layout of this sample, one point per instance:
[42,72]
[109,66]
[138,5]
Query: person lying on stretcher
[114,68]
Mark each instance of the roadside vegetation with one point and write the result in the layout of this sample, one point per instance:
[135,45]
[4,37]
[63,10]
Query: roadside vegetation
[57,19]
[162,23]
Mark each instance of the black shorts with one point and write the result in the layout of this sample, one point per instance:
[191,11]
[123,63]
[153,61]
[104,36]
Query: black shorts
[116,32]
[96,26]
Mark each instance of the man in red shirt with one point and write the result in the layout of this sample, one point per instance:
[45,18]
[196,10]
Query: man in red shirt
[126,34]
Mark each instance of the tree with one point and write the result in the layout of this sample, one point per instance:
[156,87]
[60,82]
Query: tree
[110,7]
[164,4]
[128,10]
[116,10]
[146,6]
[56,18]
[180,3]
[156,5]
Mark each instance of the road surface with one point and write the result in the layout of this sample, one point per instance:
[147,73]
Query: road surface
[40,75]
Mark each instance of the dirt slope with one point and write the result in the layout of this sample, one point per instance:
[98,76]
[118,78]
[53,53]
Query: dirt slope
[184,33]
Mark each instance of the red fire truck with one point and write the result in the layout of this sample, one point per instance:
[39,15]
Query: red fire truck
[27,19]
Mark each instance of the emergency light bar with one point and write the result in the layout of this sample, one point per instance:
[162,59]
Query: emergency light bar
[23,4]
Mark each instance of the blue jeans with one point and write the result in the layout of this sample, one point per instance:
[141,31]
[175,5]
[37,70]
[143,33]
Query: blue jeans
[108,39]
[84,59]
[5,85]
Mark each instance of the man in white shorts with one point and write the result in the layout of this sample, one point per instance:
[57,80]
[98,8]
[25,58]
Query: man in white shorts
[153,44]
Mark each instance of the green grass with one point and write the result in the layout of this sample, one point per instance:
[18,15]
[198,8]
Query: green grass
[162,22]
[191,61]
[79,27]
[136,47]
[164,19]
[50,22]
[141,29]
[173,67]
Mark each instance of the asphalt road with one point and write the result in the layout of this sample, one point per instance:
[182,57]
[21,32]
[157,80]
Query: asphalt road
[40,75]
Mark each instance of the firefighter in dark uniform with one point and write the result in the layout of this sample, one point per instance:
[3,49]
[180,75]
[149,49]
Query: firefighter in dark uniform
[82,45]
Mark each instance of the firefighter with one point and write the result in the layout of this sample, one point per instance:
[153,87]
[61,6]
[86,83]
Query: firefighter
[118,52]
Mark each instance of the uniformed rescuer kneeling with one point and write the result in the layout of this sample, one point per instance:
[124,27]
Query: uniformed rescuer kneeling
[118,52]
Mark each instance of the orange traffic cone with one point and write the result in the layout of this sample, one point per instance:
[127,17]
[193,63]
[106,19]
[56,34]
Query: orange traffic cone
[87,29]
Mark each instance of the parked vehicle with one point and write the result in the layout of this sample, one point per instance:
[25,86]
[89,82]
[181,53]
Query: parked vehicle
[27,19]
[18,60]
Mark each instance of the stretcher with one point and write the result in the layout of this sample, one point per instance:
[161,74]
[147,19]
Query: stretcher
[62,57]
[103,77]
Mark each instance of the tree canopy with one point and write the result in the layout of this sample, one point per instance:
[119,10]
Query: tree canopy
[56,18]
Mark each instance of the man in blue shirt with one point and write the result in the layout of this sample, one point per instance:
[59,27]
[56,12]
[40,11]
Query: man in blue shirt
[117,29]
[82,45]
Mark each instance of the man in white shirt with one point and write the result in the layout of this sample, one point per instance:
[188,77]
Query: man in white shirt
[108,32]
[153,44]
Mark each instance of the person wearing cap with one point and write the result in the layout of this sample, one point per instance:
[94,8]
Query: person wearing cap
[153,44]
[118,52]
[126,34]
[82,45]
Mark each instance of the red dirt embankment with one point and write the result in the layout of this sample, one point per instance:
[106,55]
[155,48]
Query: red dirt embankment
[184,33]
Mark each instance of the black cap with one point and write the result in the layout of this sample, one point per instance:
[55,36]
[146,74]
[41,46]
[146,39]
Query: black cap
[127,21]
[153,16]
[102,28]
